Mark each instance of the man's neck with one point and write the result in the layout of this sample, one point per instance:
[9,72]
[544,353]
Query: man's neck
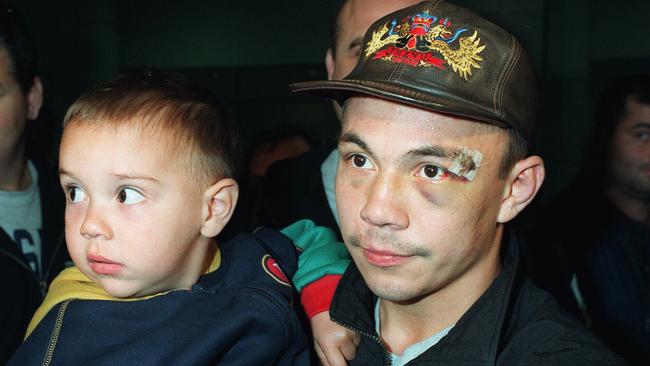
[636,209]
[405,324]
[14,173]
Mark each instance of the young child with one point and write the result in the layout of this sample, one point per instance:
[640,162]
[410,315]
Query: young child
[146,162]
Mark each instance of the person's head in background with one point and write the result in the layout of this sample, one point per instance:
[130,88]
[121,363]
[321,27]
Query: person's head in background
[347,31]
[146,163]
[21,97]
[275,145]
[621,140]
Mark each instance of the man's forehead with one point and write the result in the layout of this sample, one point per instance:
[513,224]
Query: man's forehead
[356,16]
[364,108]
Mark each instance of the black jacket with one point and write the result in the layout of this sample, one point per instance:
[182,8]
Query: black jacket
[512,323]
[21,291]
[609,255]
[240,314]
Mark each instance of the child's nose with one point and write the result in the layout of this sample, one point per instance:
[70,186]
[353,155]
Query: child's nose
[95,225]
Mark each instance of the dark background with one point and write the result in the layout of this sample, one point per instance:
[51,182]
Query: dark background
[248,51]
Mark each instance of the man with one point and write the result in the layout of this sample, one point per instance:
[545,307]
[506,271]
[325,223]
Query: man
[31,204]
[437,120]
[605,215]
[312,175]
[303,187]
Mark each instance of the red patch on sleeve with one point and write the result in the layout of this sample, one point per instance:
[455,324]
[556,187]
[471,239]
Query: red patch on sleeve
[272,268]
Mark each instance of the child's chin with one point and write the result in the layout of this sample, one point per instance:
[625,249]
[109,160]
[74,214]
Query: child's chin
[120,292]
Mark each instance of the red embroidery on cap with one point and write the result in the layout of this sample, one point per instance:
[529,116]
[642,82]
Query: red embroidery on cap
[415,39]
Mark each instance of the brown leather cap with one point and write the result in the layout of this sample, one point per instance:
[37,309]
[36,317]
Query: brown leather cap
[444,58]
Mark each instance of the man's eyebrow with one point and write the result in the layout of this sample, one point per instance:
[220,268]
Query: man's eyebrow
[432,150]
[424,151]
[353,138]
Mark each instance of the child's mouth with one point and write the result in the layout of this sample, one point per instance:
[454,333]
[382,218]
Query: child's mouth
[103,266]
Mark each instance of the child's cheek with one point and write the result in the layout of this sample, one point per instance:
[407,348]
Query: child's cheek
[132,212]
[74,214]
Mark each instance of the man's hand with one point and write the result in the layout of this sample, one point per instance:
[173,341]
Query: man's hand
[335,345]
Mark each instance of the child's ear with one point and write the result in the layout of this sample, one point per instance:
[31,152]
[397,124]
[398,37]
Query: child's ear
[522,185]
[219,200]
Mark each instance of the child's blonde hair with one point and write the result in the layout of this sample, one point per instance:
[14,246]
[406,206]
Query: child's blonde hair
[191,121]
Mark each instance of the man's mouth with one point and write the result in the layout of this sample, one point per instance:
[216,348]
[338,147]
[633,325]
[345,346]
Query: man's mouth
[103,266]
[382,258]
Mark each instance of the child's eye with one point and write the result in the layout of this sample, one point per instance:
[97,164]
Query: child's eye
[432,172]
[361,161]
[129,196]
[75,194]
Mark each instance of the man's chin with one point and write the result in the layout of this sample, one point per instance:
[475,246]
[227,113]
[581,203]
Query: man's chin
[391,287]
[396,294]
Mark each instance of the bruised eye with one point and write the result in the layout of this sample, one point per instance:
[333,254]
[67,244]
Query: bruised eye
[129,196]
[75,194]
[361,161]
[433,172]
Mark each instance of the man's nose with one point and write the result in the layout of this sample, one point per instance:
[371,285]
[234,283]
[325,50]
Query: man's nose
[94,224]
[384,204]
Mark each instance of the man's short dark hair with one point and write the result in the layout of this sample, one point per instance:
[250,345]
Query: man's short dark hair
[516,149]
[611,108]
[612,104]
[15,38]
[190,119]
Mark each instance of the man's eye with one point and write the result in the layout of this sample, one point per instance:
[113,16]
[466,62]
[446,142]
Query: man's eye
[433,172]
[643,136]
[129,196]
[76,194]
[361,161]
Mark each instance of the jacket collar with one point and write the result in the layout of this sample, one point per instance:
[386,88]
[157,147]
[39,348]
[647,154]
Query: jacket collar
[476,336]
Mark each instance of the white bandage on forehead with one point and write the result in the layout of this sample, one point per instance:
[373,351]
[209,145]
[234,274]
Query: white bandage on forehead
[466,163]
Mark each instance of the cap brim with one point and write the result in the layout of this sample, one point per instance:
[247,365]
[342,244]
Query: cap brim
[340,90]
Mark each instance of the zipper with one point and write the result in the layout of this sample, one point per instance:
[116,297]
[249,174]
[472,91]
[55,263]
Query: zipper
[55,333]
[40,282]
[46,273]
[387,359]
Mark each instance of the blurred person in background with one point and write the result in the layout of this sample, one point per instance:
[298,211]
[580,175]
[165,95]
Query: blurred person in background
[303,187]
[597,232]
[32,251]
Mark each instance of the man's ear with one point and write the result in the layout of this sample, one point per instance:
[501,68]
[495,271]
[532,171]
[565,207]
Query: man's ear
[35,99]
[219,201]
[523,183]
[329,63]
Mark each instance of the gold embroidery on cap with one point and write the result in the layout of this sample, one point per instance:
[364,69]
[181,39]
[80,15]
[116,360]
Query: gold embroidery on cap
[415,38]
